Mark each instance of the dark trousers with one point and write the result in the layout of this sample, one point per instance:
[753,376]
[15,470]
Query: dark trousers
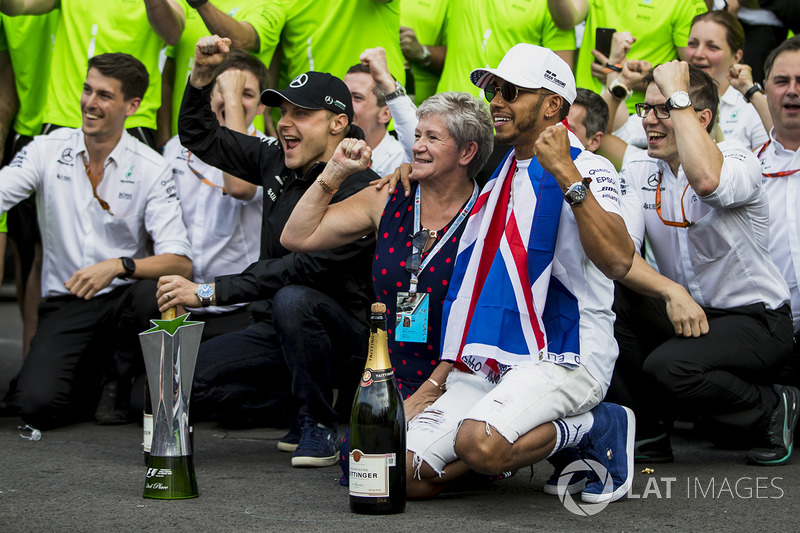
[790,373]
[76,343]
[291,363]
[726,374]
[216,324]
[23,226]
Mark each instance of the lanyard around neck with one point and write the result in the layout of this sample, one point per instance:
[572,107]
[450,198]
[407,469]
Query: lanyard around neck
[417,226]
[779,174]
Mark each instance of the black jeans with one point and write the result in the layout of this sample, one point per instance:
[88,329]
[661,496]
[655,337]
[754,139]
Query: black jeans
[76,343]
[292,363]
[726,374]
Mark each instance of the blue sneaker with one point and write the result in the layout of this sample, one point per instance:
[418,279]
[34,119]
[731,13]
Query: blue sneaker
[610,442]
[318,446]
[560,460]
[289,442]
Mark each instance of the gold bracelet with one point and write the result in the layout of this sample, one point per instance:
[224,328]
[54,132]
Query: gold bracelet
[325,187]
[440,387]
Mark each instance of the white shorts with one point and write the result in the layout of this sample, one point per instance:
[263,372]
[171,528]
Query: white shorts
[526,397]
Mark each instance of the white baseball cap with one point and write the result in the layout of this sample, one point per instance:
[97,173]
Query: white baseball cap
[531,67]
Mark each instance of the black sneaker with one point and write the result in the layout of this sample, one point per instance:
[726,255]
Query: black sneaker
[289,442]
[7,408]
[114,407]
[318,446]
[777,446]
[653,450]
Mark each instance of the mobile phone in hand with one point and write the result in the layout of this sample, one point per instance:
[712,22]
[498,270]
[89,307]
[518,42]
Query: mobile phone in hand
[602,40]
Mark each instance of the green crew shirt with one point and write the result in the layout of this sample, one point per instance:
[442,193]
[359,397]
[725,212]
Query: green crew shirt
[427,18]
[468,29]
[29,40]
[329,36]
[87,29]
[251,11]
[660,28]
[524,21]
[480,32]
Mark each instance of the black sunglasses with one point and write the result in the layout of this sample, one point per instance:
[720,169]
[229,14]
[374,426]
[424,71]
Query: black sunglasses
[508,91]
[418,242]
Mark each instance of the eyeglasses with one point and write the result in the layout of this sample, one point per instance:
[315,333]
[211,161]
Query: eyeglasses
[660,110]
[685,223]
[508,91]
[418,242]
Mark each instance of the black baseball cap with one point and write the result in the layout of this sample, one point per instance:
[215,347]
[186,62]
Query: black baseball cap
[313,90]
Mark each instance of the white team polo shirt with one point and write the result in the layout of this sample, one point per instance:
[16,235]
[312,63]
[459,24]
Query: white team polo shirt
[723,259]
[225,233]
[784,229]
[388,155]
[739,120]
[592,289]
[76,231]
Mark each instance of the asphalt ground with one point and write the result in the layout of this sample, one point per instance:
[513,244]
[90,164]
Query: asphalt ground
[91,478]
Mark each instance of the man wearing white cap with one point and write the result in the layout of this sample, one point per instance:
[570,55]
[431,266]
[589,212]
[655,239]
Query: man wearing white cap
[528,322]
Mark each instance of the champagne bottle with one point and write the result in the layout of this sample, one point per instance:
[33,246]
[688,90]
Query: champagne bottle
[147,423]
[378,431]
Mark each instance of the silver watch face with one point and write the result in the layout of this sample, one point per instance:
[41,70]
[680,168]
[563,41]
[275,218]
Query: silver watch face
[680,100]
[205,291]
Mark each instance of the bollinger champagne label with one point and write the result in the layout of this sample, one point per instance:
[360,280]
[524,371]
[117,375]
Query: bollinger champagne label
[369,473]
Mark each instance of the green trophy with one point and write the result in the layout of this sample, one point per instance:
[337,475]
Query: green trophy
[170,354]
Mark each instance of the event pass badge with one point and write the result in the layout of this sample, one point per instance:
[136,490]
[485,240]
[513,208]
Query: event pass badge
[412,317]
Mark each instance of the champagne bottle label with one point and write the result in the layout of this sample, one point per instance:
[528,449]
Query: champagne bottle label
[372,376]
[369,473]
[147,424]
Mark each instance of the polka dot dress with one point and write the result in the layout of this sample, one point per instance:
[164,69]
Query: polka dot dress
[413,361]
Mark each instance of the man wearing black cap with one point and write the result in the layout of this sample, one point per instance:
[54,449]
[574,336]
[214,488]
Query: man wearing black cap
[309,328]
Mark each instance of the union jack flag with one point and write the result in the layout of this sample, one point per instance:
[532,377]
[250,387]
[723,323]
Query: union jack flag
[504,305]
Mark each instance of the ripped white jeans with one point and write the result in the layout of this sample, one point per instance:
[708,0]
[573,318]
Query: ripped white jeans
[526,397]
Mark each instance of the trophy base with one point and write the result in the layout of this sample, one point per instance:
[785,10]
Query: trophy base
[170,478]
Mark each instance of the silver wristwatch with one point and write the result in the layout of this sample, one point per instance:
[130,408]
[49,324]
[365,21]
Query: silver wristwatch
[577,192]
[678,100]
[205,291]
[399,91]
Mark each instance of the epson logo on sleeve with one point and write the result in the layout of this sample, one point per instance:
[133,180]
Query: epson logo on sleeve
[299,81]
